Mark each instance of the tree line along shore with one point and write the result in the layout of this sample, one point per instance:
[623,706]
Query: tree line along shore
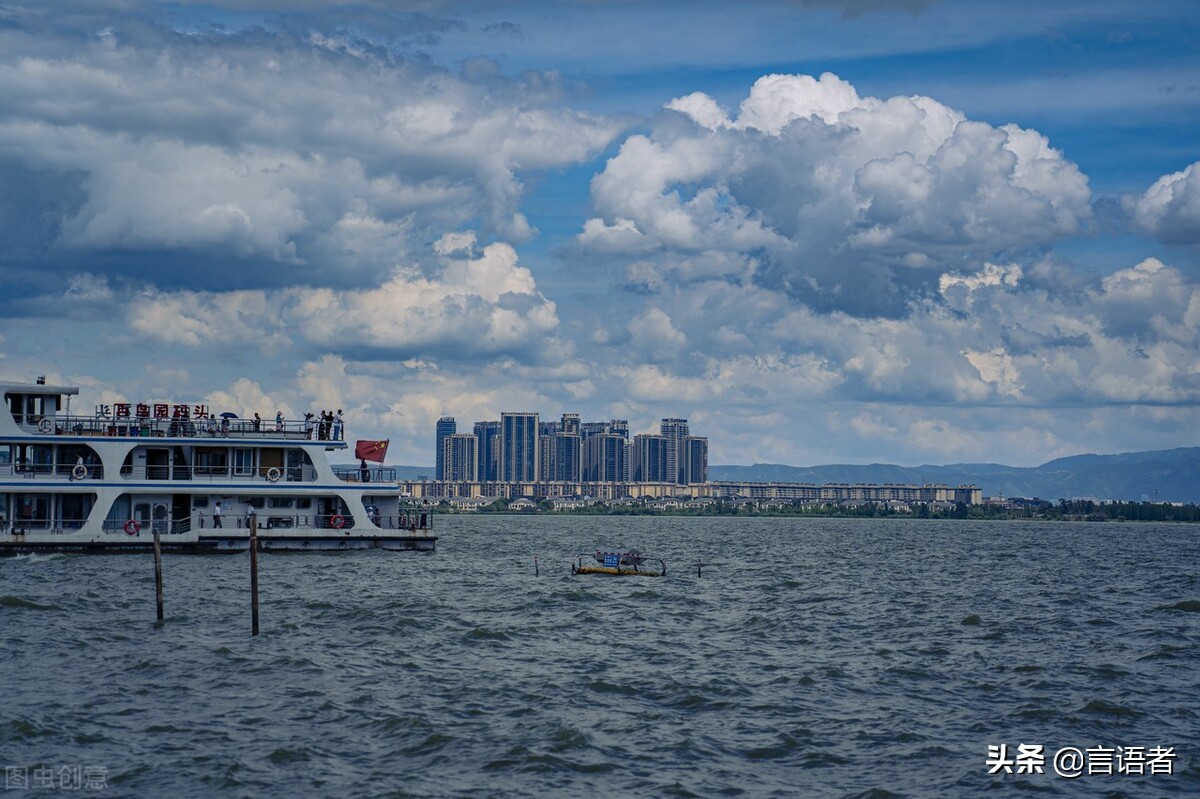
[1063,510]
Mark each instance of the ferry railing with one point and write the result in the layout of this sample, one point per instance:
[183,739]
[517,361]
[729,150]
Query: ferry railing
[267,474]
[164,526]
[21,526]
[414,523]
[374,474]
[66,471]
[268,520]
[206,427]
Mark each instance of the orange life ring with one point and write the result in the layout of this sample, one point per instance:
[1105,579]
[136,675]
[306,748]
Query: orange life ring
[132,527]
[337,522]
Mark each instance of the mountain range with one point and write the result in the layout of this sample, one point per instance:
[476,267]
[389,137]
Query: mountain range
[1171,475]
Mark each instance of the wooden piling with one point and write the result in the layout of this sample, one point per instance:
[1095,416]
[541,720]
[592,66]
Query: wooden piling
[158,587]
[254,574]
[698,564]
[535,566]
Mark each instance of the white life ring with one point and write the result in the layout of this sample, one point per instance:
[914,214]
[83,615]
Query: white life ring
[132,527]
[46,425]
[273,474]
[79,472]
[337,522]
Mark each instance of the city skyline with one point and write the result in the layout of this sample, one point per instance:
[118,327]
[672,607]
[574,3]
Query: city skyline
[521,448]
[830,231]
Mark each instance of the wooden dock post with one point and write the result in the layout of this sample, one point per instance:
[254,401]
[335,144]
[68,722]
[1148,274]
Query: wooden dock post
[158,588]
[535,567]
[698,564]
[253,573]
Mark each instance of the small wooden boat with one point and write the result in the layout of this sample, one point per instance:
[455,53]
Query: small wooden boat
[628,563]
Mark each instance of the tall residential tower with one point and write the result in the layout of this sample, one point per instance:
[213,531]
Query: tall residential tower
[518,447]
[446,426]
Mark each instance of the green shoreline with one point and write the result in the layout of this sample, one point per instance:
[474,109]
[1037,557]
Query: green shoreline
[1073,511]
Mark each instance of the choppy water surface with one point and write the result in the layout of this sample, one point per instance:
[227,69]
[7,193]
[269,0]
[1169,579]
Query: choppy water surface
[839,658]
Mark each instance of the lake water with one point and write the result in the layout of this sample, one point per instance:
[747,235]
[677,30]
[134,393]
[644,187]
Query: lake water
[822,658]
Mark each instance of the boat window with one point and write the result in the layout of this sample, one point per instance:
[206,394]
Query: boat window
[200,502]
[299,466]
[211,460]
[158,463]
[280,502]
[26,407]
[303,503]
[257,502]
[243,460]
[75,509]
[118,514]
[33,510]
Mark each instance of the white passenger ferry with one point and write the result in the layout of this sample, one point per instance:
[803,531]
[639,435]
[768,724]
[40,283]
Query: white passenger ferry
[106,482]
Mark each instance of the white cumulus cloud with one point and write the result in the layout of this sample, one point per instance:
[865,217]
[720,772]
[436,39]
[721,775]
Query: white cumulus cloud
[1170,209]
[845,201]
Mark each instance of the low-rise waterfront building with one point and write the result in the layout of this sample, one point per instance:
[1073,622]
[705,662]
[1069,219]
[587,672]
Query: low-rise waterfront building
[720,490]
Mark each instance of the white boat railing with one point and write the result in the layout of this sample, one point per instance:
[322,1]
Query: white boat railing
[373,474]
[208,427]
[258,474]
[65,471]
[414,523]
[83,472]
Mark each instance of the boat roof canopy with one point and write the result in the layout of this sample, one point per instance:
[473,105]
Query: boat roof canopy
[36,388]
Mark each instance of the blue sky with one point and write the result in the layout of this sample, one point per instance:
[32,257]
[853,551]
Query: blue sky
[827,231]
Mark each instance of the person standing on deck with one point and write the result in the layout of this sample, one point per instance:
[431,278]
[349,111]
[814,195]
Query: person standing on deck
[217,514]
[337,426]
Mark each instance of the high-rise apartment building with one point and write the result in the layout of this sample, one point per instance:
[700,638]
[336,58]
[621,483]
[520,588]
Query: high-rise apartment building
[546,433]
[696,462]
[676,433]
[569,424]
[519,447]
[589,429]
[446,426]
[460,457]
[648,459]
[488,435]
[605,459]
[568,458]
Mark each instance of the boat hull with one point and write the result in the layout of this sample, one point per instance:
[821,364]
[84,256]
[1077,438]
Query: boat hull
[616,572]
[209,544]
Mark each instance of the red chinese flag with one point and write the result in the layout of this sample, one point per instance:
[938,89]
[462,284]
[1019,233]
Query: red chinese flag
[371,450]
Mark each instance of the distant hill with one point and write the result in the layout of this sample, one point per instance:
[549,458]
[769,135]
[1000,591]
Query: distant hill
[1175,473]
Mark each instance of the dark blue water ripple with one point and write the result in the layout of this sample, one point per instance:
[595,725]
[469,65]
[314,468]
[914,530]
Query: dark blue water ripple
[824,658]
